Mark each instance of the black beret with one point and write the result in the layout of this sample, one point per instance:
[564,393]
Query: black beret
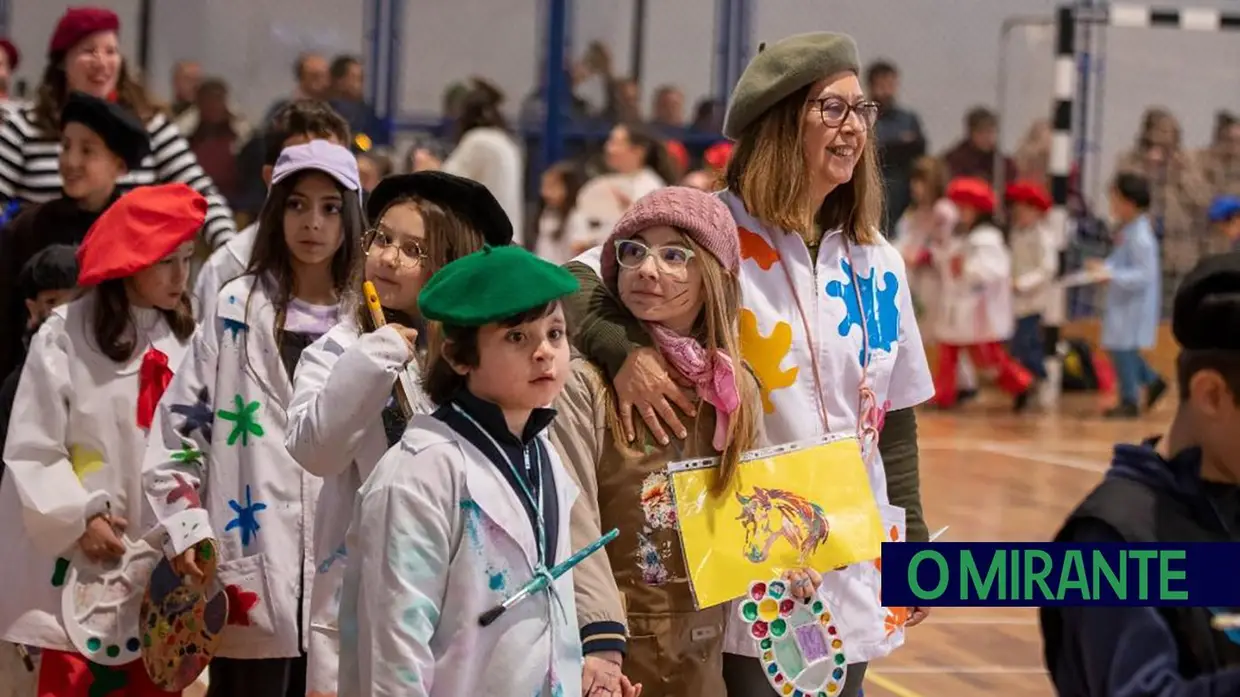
[1206,315]
[120,130]
[468,199]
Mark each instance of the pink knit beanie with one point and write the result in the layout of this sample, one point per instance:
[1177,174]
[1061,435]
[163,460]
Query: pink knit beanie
[702,217]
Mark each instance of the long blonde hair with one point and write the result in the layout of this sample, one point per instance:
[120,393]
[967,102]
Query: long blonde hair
[768,172]
[718,327]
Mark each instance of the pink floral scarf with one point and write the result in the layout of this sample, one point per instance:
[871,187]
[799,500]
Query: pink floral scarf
[714,376]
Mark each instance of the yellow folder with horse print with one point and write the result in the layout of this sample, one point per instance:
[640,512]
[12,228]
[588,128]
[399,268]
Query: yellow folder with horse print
[790,506]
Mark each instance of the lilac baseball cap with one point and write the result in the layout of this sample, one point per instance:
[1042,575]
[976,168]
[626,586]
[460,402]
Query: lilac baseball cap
[322,156]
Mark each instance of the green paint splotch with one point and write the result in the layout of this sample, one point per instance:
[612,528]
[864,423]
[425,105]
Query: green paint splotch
[419,620]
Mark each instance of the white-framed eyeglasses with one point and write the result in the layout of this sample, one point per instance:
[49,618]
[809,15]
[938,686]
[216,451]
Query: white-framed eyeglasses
[672,258]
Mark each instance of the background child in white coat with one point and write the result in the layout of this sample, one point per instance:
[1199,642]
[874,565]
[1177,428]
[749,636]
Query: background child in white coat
[472,504]
[343,416]
[1035,259]
[87,394]
[976,296]
[217,466]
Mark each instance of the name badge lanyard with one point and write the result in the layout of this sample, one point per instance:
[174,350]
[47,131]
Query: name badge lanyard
[867,401]
[540,535]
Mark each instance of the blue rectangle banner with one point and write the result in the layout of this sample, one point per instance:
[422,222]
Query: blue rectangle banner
[1044,574]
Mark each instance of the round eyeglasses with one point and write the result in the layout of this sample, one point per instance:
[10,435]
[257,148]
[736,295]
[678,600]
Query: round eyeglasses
[671,258]
[408,253]
[835,111]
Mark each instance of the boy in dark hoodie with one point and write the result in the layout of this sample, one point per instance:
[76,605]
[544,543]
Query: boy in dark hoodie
[100,142]
[47,281]
[1184,489]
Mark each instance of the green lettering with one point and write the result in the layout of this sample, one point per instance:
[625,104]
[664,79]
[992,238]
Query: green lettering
[1037,576]
[1014,586]
[1167,575]
[1102,567]
[1143,557]
[914,586]
[971,578]
[1072,576]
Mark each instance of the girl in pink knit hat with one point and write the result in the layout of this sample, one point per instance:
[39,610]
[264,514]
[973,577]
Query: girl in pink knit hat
[672,260]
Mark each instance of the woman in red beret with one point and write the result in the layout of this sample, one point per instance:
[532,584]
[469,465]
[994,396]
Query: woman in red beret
[71,501]
[84,56]
[976,296]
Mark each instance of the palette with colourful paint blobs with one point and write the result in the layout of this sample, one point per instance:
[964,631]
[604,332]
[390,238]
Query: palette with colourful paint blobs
[799,645]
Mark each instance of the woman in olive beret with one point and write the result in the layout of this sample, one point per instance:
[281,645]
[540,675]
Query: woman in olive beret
[827,324]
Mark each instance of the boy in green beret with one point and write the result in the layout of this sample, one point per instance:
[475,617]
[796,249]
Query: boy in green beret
[472,504]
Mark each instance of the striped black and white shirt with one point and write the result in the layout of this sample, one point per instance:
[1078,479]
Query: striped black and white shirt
[30,168]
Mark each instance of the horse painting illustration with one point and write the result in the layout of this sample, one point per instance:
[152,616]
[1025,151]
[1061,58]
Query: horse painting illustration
[771,514]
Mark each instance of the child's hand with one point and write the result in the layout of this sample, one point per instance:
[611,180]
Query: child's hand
[410,336]
[101,542]
[628,689]
[803,582]
[600,674]
[916,615]
[186,564]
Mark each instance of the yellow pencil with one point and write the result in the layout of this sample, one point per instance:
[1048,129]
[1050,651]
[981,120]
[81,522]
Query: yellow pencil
[376,316]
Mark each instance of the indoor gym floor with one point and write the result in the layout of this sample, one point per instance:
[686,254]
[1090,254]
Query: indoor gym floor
[994,476]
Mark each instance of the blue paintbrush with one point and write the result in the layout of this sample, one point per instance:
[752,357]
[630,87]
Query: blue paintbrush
[540,582]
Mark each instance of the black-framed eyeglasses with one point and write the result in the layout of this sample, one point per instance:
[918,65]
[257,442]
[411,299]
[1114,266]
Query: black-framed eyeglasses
[835,111]
[408,253]
[672,258]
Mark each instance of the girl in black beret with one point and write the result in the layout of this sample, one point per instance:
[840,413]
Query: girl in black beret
[345,413]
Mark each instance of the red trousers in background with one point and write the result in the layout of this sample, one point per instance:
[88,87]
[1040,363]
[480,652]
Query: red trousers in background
[64,674]
[1013,378]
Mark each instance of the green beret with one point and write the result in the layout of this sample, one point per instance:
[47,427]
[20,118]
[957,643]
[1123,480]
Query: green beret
[783,68]
[492,284]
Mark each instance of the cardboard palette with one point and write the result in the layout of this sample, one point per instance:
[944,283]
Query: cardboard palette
[182,620]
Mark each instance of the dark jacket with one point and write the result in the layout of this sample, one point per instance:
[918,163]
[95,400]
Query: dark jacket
[58,221]
[964,160]
[900,143]
[1145,651]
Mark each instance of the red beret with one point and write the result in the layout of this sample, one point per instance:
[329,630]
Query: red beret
[676,150]
[77,23]
[15,56]
[717,156]
[138,230]
[972,192]
[1031,193]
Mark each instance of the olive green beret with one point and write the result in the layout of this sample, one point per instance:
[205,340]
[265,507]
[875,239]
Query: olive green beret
[783,68]
[492,284]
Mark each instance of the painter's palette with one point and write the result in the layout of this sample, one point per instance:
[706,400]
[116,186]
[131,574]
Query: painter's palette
[798,642]
[181,621]
[100,602]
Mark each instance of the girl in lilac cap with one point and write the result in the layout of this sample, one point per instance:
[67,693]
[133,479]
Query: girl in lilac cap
[216,466]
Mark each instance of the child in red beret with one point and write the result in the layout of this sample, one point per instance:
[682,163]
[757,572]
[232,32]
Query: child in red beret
[976,313]
[95,371]
[1035,260]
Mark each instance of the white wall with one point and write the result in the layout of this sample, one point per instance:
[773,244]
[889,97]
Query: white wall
[947,49]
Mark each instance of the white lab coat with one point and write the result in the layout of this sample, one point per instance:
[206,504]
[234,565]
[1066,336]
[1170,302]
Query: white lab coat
[224,264]
[976,305]
[335,431]
[438,538]
[74,446]
[1035,260]
[258,503]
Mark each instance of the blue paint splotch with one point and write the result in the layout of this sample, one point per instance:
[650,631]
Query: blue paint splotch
[498,581]
[473,522]
[407,675]
[479,530]
[247,517]
[878,312]
[340,554]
